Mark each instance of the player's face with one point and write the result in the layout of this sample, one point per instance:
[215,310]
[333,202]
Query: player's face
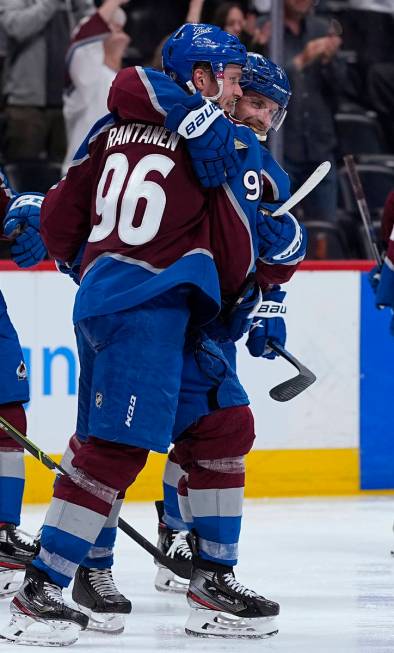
[232,91]
[207,84]
[256,111]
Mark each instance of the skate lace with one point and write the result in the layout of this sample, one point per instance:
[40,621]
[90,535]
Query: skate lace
[53,592]
[234,585]
[23,538]
[102,581]
[180,546]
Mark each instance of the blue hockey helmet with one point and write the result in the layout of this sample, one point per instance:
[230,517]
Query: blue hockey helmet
[194,43]
[267,78]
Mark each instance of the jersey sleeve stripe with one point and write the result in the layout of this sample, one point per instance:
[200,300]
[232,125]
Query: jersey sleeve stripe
[150,91]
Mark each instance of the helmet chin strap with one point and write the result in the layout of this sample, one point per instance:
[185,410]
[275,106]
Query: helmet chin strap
[215,98]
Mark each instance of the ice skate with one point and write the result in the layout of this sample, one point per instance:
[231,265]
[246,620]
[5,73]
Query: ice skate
[40,617]
[222,607]
[97,596]
[174,544]
[16,549]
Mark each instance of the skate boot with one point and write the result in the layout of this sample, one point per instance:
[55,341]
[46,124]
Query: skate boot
[174,544]
[16,549]
[40,617]
[97,596]
[222,607]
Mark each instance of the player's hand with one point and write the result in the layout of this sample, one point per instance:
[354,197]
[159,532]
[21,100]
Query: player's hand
[22,225]
[268,324]
[282,240]
[73,268]
[209,139]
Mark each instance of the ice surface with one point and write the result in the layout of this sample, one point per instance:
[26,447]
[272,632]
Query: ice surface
[327,562]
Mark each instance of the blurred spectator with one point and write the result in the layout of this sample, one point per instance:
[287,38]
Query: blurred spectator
[316,76]
[93,59]
[38,36]
[380,89]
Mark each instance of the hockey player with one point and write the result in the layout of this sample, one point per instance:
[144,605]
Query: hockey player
[16,549]
[262,107]
[132,196]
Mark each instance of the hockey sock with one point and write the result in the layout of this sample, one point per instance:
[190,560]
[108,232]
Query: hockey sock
[172,473]
[212,452]
[12,466]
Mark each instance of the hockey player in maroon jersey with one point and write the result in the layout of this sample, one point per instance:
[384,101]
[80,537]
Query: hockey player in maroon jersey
[148,272]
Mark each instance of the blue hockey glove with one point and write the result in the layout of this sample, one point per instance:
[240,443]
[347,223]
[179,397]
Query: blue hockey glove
[73,269]
[22,224]
[385,287]
[374,277]
[282,239]
[268,324]
[241,320]
[233,326]
[209,138]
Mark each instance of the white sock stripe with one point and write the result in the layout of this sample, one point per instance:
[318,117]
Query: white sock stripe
[58,563]
[12,464]
[184,509]
[218,549]
[172,473]
[100,552]
[74,520]
[226,502]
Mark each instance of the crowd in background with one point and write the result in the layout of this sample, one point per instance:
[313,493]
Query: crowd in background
[56,71]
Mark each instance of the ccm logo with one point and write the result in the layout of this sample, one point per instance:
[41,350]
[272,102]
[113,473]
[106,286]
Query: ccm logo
[130,410]
[201,117]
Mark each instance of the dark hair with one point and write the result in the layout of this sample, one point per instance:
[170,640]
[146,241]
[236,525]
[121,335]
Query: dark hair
[220,15]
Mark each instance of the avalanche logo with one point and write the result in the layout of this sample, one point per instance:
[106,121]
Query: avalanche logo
[21,372]
[99,399]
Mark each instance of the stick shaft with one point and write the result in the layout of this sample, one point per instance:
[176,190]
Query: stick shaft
[359,195]
[124,526]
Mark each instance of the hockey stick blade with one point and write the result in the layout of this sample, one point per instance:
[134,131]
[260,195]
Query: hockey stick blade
[307,187]
[292,387]
[178,567]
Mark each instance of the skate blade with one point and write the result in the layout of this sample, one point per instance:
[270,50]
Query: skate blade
[210,623]
[10,581]
[108,623]
[166,581]
[23,629]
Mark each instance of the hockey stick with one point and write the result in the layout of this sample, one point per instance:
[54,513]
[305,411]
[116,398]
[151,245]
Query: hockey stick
[178,567]
[307,187]
[292,387]
[359,194]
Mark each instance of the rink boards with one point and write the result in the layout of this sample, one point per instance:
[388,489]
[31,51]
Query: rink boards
[335,438]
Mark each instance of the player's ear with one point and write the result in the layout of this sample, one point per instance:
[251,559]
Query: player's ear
[201,79]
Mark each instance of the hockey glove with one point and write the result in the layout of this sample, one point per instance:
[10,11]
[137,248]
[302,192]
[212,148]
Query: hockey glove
[22,225]
[73,269]
[268,324]
[232,325]
[281,240]
[209,139]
